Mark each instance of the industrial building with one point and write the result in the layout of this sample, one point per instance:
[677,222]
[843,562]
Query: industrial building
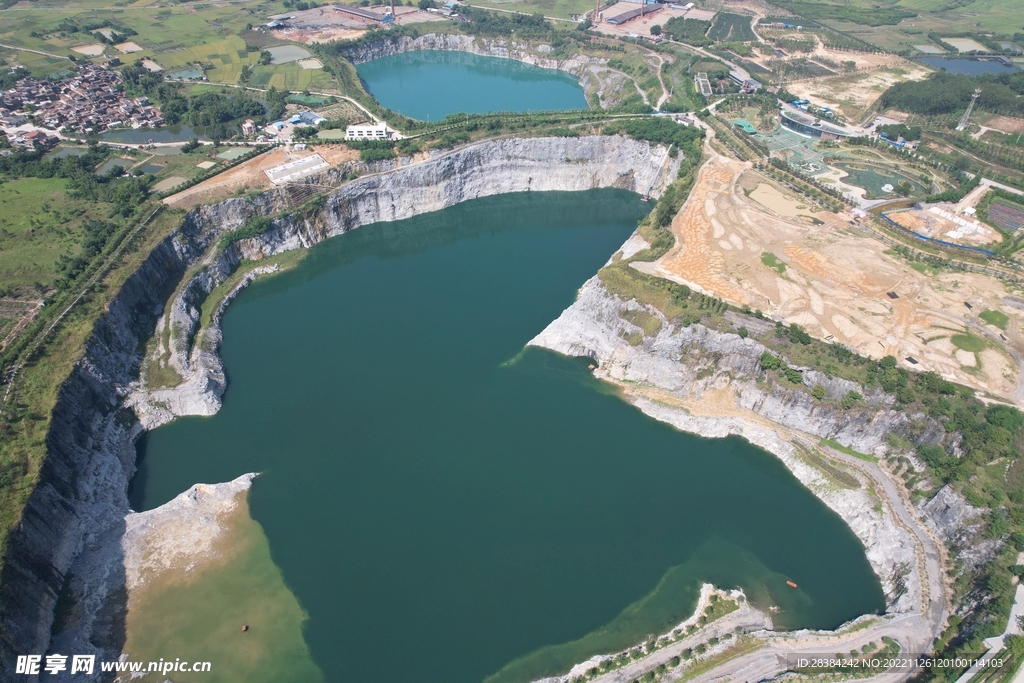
[294,170]
[369,131]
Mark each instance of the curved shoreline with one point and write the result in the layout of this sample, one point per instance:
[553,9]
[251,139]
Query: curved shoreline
[722,398]
[80,502]
[593,73]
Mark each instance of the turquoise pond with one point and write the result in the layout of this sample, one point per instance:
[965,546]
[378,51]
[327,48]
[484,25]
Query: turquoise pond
[430,85]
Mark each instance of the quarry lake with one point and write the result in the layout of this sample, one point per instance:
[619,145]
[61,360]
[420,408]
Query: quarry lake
[431,84]
[449,507]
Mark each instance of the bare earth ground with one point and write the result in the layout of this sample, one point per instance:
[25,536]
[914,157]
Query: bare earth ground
[640,26]
[836,279]
[1004,124]
[853,95]
[932,225]
[250,175]
[324,24]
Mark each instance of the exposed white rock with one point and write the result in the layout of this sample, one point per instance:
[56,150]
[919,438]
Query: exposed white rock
[723,368]
[182,533]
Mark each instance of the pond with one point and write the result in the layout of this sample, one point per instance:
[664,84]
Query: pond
[282,54]
[113,163]
[448,507]
[180,133]
[874,178]
[61,152]
[193,73]
[429,85]
[232,153]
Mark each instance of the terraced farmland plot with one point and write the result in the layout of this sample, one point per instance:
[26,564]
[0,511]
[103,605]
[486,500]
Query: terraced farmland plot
[731,27]
[224,55]
[1006,215]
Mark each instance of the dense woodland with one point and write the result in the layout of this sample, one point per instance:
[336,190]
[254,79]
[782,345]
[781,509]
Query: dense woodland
[946,93]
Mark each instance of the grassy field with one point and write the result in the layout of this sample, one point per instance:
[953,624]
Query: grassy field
[31,241]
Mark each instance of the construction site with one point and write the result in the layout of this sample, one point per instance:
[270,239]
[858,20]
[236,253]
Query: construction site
[744,238]
[344,22]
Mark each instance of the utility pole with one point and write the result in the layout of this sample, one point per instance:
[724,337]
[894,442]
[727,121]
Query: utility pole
[597,11]
[967,114]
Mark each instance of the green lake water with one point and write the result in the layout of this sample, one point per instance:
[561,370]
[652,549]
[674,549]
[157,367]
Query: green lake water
[431,84]
[448,507]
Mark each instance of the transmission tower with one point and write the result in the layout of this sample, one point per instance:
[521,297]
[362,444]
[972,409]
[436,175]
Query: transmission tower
[967,114]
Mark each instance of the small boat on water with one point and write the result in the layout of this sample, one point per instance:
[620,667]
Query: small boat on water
[790,584]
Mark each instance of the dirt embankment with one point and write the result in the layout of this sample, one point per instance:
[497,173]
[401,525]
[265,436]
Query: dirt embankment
[250,175]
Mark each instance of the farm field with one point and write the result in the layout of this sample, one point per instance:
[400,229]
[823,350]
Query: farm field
[173,37]
[887,29]
[39,66]
[560,9]
[731,27]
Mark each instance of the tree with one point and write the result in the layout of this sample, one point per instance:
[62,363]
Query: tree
[819,391]
[656,30]
[426,4]
[265,57]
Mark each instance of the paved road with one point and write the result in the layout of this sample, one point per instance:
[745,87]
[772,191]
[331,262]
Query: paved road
[746,619]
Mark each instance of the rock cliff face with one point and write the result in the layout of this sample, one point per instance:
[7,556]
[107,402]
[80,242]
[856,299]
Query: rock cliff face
[81,503]
[706,382]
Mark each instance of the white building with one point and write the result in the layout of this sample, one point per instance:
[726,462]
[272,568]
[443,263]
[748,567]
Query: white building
[369,131]
[294,170]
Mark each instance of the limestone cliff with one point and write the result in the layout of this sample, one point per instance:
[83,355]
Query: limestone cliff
[80,503]
[707,382]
